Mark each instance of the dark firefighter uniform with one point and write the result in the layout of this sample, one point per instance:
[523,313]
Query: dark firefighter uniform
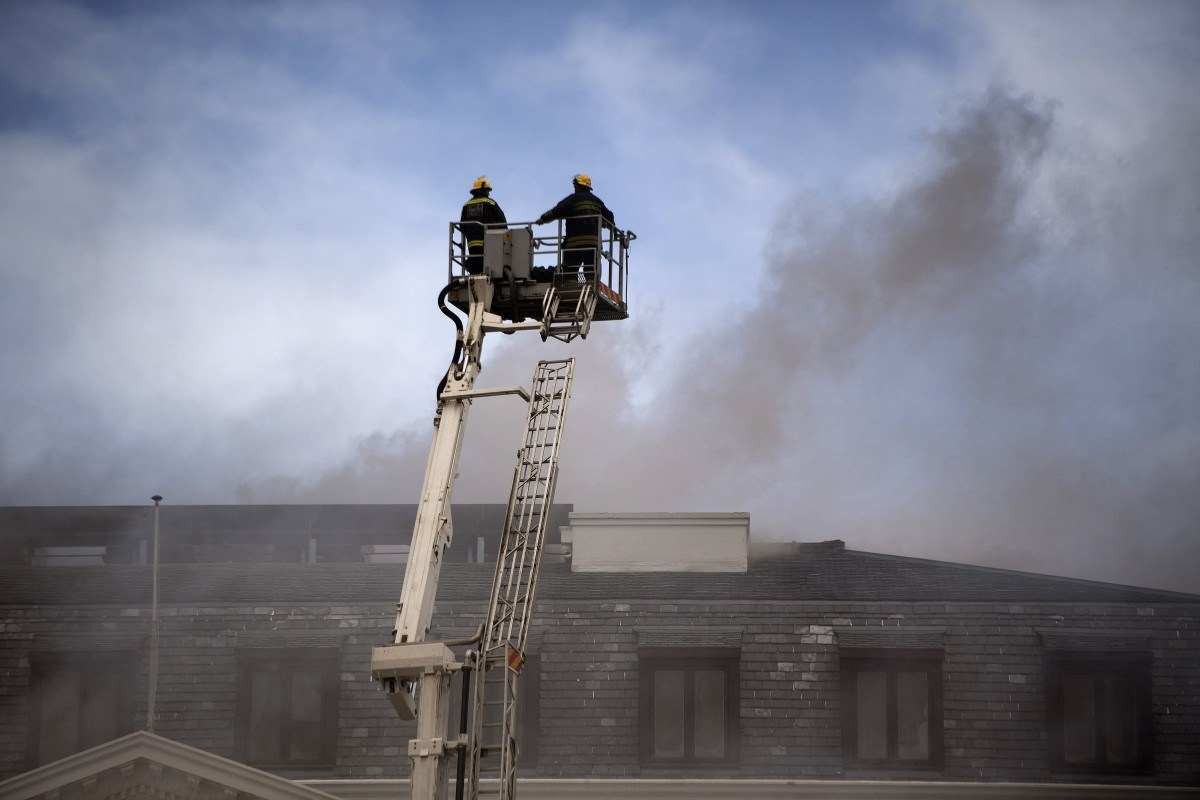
[481,210]
[582,236]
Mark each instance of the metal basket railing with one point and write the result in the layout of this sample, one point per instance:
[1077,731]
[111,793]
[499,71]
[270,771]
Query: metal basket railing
[608,270]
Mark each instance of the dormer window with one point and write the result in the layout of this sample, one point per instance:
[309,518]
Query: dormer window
[69,556]
[385,553]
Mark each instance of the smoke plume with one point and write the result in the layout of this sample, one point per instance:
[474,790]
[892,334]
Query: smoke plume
[957,371]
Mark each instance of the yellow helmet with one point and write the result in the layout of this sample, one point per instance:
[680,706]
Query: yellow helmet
[583,179]
[481,182]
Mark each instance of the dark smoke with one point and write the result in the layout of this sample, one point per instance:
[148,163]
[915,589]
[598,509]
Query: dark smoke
[935,374]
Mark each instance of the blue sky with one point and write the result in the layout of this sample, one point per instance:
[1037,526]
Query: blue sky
[225,226]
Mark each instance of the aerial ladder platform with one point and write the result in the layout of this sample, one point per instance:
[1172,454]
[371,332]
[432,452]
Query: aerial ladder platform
[533,287]
[524,282]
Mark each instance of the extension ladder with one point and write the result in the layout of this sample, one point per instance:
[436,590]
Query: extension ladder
[569,304]
[493,739]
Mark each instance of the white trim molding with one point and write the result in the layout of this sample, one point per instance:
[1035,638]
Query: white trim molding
[749,789]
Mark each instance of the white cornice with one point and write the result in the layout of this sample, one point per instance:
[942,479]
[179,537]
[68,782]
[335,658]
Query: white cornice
[740,789]
[658,518]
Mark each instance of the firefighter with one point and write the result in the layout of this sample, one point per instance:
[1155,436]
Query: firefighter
[480,210]
[582,236]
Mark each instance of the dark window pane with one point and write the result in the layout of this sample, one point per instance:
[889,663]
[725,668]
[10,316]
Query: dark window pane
[58,720]
[668,713]
[871,696]
[98,721]
[304,735]
[709,698]
[304,741]
[266,717]
[79,701]
[1079,719]
[285,712]
[1120,735]
[306,697]
[912,712]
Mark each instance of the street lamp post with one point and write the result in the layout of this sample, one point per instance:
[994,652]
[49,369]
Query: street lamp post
[153,678]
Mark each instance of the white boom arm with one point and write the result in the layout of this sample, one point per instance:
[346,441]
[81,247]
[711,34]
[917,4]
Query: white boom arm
[433,528]
[410,665]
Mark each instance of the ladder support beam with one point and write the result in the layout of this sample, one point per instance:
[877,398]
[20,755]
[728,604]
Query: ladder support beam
[495,391]
[506,327]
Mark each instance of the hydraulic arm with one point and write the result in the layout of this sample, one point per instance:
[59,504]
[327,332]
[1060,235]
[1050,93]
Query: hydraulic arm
[412,668]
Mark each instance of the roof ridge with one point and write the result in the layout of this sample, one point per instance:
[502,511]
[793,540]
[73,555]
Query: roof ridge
[1181,596]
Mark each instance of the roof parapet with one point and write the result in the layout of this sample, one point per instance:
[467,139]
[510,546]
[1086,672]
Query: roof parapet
[659,542]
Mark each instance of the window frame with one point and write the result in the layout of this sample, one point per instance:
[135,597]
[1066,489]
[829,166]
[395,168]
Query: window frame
[290,660]
[689,660]
[1135,666]
[891,662]
[123,664]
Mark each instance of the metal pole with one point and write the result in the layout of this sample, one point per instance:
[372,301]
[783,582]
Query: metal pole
[462,728]
[153,680]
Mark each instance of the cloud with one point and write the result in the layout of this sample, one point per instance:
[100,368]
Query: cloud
[188,263]
[959,323]
[665,106]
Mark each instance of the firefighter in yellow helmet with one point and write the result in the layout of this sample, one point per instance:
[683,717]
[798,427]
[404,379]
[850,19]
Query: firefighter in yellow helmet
[584,213]
[478,214]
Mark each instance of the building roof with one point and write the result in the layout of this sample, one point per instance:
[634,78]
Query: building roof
[243,532]
[824,571]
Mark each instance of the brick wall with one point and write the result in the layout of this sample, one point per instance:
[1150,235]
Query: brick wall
[790,712]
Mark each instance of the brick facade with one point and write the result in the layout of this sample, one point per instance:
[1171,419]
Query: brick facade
[994,710]
[992,631]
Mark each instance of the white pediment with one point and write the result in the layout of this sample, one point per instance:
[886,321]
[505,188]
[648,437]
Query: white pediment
[144,765]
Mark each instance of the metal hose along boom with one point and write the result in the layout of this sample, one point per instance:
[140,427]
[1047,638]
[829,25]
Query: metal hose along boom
[456,359]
